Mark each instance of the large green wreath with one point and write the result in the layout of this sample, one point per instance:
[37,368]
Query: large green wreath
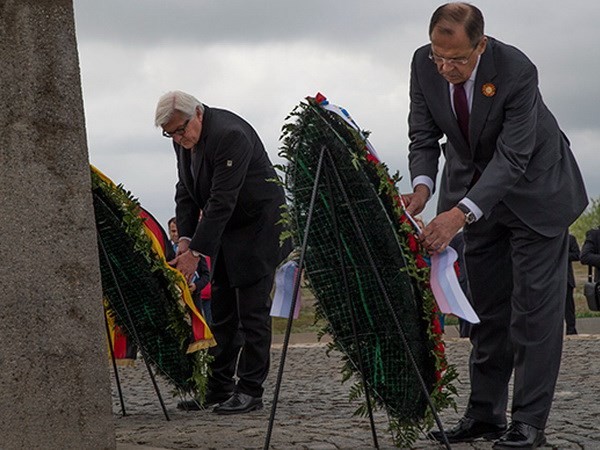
[370,195]
[142,292]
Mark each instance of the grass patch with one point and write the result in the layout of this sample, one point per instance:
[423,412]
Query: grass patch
[305,323]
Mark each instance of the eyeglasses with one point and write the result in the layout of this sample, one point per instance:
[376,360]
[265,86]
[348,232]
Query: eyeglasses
[450,61]
[178,132]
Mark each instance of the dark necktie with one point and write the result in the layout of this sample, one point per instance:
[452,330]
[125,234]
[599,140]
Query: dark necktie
[462,109]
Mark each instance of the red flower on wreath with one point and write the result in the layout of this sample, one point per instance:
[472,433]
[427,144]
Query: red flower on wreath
[413,244]
[436,325]
[371,158]
[421,263]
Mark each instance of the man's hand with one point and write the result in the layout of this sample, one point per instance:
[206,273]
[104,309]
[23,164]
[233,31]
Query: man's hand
[437,235]
[415,202]
[186,263]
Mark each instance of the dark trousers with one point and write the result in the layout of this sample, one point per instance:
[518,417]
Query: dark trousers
[518,286]
[570,311]
[464,328]
[242,327]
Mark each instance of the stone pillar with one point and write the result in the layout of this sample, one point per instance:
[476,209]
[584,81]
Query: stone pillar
[54,377]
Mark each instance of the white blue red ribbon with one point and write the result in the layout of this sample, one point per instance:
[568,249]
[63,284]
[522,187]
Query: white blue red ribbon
[446,289]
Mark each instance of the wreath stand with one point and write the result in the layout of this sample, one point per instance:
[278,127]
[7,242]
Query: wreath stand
[135,337]
[332,177]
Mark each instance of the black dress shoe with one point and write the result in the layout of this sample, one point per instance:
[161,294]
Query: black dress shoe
[521,435]
[467,430]
[239,403]
[211,398]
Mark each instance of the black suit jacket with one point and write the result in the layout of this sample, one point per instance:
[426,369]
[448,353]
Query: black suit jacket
[229,176]
[515,142]
[590,251]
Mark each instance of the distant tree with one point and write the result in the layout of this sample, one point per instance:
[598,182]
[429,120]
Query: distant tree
[589,219]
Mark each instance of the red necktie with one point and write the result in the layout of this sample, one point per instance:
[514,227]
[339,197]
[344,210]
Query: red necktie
[462,109]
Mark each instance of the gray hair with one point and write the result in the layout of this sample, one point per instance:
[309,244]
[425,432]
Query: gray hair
[176,101]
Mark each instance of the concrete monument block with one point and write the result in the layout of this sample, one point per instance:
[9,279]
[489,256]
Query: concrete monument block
[54,378]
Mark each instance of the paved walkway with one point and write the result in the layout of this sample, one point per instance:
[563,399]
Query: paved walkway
[313,411]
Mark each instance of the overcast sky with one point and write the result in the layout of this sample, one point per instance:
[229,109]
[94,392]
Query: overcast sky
[259,58]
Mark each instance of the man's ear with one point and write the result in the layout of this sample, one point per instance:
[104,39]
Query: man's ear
[483,44]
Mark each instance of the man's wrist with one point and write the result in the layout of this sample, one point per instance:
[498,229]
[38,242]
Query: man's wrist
[423,180]
[195,253]
[469,215]
[422,189]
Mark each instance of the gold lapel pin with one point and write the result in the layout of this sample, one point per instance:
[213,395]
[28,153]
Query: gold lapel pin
[488,89]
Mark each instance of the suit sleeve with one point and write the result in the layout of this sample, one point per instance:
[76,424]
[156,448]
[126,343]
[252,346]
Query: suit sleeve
[590,254]
[186,209]
[515,144]
[232,157]
[424,134]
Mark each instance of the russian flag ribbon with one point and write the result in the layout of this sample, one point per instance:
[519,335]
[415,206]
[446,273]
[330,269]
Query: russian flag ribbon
[446,290]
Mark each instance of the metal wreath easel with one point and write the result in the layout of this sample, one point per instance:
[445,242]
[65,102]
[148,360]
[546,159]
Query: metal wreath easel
[332,176]
[135,338]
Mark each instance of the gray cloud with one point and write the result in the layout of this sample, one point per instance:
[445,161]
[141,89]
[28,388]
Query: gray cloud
[148,22]
[260,58]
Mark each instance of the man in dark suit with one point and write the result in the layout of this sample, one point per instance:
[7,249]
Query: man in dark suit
[511,180]
[590,251]
[570,319]
[225,171]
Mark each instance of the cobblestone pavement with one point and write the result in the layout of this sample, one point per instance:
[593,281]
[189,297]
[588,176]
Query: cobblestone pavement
[313,411]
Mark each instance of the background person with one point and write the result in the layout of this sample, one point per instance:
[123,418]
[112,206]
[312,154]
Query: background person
[206,296]
[590,251]
[173,234]
[201,277]
[511,180]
